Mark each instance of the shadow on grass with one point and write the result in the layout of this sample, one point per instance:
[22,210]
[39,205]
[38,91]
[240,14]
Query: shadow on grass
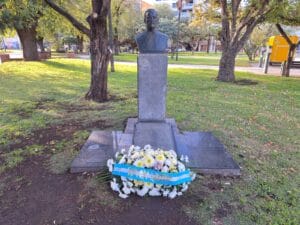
[66,66]
[246,82]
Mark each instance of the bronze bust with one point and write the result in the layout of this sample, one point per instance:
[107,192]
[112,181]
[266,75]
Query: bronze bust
[151,41]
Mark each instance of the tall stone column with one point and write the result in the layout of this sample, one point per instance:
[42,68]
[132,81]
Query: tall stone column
[152,87]
[151,127]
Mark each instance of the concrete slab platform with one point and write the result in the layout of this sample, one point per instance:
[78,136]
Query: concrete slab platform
[99,147]
[206,153]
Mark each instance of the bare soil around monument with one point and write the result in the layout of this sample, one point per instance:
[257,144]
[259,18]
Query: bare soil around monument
[41,197]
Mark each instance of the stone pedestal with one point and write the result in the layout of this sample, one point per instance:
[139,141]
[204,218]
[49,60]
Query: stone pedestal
[152,87]
[156,134]
[151,127]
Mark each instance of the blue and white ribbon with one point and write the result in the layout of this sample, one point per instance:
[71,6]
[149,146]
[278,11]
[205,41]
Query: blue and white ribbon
[151,175]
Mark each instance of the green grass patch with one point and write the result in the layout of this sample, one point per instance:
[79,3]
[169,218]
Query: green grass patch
[259,124]
[198,58]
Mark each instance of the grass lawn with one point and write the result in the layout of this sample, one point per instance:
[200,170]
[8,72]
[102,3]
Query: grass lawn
[198,58]
[259,124]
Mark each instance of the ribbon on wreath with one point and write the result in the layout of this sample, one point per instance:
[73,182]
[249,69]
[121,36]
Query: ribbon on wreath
[151,175]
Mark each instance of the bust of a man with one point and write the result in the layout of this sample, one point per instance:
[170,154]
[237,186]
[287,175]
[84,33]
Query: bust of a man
[151,41]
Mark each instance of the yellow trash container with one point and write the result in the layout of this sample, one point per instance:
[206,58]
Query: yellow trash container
[280,48]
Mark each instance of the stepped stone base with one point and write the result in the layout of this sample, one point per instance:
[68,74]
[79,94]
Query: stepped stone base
[206,153]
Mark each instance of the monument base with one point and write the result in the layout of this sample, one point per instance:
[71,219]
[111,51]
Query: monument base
[206,153]
[156,134]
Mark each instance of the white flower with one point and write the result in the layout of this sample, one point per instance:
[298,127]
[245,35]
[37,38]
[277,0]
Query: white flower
[168,162]
[166,193]
[137,148]
[138,163]
[143,191]
[160,158]
[126,190]
[184,188]
[149,161]
[123,151]
[129,184]
[186,159]
[124,179]
[109,164]
[179,193]
[148,185]
[130,150]
[172,152]
[165,169]
[121,195]
[158,166]
[150,152]
[114,186]
[154,192]
[193,176]
[147,147]
[182,158]
[117,155]
[135,155]
[181,167]
[173,193]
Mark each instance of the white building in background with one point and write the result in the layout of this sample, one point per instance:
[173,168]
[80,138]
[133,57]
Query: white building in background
[187,6]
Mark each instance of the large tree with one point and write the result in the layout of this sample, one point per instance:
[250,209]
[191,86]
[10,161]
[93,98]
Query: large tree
[99,49]
[23,16]
[238,19]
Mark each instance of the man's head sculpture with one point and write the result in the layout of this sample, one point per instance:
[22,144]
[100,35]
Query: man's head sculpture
[151,41]
[151,19]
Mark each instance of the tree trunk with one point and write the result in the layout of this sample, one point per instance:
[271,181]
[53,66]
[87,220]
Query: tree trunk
[290,59]
[116,41]
[111,41]
[79,43]
[40,42]
[226,67]
[100,53]
[208,45]
[29,43]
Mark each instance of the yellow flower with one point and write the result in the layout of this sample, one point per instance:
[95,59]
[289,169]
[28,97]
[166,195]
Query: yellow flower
[139,163]
[149,161]
[138,183]
[160,158]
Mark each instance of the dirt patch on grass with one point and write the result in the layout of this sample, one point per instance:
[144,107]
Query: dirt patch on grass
[214,183]
[39,197]
[224,210]
[58,132]
[70,108]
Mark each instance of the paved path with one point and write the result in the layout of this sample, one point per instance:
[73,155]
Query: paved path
[273,70]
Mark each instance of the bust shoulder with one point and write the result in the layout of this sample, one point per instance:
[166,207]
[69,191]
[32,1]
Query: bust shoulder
[161,35]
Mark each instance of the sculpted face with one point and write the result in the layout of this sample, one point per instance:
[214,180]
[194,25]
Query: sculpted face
[151,19]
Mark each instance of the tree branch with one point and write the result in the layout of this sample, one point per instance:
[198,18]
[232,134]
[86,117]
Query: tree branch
[279,28]
[234,8]
[225,39]
[82,28]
